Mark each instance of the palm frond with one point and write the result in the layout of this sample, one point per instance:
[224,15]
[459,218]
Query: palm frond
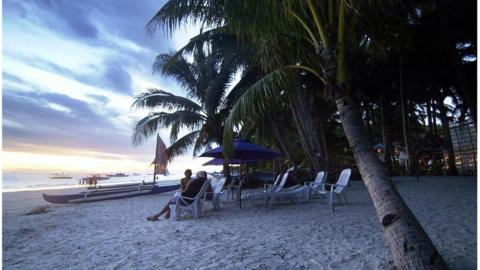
[249,77]
[149,125]
[177,12]
[181,145]
[157,98]
[177,67]
[256,101]
[202,140]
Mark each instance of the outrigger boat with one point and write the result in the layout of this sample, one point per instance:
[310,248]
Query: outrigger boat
[121,191]
[109,193]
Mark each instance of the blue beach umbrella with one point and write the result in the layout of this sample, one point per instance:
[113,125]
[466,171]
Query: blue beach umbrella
[243,150]
[221,161]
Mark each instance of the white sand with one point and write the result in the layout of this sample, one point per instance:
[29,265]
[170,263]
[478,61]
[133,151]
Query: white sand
[115,235]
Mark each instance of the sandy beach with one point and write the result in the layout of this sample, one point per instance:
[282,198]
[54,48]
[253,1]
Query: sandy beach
[115,234]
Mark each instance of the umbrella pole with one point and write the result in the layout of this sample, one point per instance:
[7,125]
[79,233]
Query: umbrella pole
[240,187]
[273,170]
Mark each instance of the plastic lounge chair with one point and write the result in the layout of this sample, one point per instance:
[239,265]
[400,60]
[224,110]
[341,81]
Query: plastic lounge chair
[217,192]
[268,190]
[317,186]
[296,193]
[193,205]
[269,187]
[338,188]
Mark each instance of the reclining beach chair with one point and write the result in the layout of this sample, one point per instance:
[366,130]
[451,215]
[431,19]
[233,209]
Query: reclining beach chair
[295,193]
[193,205]
[217,192]
[338,188]
[268,189]
[317,187]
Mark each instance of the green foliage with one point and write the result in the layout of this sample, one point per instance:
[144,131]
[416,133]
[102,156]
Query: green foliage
[205,80]
[273,41]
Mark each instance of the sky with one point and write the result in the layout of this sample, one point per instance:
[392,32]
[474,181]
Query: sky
[70,72]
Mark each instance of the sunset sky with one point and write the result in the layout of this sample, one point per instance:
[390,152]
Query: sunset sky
[70,72]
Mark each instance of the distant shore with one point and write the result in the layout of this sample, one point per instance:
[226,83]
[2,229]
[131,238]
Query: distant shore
[115,234]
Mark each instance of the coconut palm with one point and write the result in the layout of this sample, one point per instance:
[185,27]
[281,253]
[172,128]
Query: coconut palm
[205,80]
[336,31]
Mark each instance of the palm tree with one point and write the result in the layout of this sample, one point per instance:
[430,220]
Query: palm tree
[205,80]
[335,30]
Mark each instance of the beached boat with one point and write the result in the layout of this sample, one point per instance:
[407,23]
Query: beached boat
[117,175]
[60,176]
[109,193]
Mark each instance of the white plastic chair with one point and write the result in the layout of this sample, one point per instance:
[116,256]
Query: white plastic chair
[317,186]
[338,188]
[268,190]
[296,193]
[195,207]
[217,192]
[234,189]
[269,187]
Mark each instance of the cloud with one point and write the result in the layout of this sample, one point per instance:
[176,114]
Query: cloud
[7,77]
[51,119]
[99,98]
[69,17]
[71,69]
[118,78]
[14,8]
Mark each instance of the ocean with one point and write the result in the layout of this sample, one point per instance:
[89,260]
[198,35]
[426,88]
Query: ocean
[16,181]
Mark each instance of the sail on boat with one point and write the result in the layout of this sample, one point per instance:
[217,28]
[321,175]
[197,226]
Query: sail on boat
[161,159]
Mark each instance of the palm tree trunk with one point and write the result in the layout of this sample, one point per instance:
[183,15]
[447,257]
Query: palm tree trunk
[387,143]
[367,119]
[324,142]
[411,166]
[408,242]
[309,128]
[301,132]
[278,138]
[452,170]
[226,172]
[434,118]
[303,121]
[429,116]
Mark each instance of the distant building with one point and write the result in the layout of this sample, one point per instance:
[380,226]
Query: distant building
[464,142]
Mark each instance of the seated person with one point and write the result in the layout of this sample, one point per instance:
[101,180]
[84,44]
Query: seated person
[184,181]
[191,190]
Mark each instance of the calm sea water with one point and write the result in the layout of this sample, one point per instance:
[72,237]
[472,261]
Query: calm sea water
[14,181]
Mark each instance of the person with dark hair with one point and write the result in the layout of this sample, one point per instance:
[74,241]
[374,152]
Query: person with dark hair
[191,190]
[184,181]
